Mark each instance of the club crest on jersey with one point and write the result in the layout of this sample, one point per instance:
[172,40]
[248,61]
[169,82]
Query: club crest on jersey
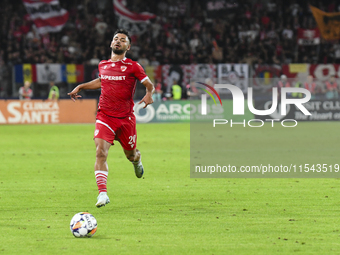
[96,132]
[113,64]
[123,68]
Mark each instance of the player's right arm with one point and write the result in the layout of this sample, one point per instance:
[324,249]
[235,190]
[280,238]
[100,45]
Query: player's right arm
[94,84]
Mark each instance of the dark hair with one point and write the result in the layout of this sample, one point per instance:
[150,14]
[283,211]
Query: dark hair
[123,31]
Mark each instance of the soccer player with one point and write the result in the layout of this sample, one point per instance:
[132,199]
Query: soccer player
[115,119]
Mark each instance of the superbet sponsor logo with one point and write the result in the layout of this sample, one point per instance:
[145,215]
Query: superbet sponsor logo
[238,103]
[112,78]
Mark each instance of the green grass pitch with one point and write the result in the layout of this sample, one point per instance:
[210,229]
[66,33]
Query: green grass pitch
[46,176]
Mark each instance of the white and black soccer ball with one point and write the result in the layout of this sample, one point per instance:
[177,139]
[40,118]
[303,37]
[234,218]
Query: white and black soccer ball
[83,224]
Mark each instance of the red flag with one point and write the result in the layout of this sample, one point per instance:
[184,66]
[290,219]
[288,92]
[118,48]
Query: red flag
[135,23]
[47,15]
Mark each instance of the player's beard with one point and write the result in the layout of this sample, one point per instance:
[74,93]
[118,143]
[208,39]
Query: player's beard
[118,51]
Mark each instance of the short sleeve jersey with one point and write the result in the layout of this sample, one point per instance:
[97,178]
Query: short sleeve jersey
[118,84]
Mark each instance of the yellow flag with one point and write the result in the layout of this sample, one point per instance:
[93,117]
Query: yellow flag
[71,73]
[150,72]
[297,68]
[328,23]
[27,72]
[267,76]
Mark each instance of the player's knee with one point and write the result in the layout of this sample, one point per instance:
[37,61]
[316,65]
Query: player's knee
[101,153]
[131,157]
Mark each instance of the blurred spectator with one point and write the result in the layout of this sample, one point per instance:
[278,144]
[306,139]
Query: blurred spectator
[265,20]
[194,43]
[283,83]
[249,59]
[294,8]
[157,95]
[217,54]
[54,92]
[336,48]
[143,61]
[271,7]
[94,60]
[154,62]
[311,86]
[298,84]
[192,91]
[25,92]
[101,26]
[176,91]
[156,27]
[288,33]
[332,88]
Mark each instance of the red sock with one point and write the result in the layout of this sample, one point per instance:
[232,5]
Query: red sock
[101,179]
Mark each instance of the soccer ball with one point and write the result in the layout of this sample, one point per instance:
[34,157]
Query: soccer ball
[83,224]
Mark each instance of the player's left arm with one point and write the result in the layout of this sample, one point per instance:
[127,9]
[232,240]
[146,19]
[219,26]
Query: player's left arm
[144,79]
[150,88]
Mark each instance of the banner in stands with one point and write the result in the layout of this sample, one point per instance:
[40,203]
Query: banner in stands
[236,74]
[264,77]
[219,8]
[308,36]
[321,110]
[45,73]
[185,111]
[321,72]
[47,112]
[48,72]
[135,23]
[328,23]
[181,74]
[47,15]
[322,76]
[154,73]
[206,72]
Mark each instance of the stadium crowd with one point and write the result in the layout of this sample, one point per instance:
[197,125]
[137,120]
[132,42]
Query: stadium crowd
[263,32]
[183,32]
